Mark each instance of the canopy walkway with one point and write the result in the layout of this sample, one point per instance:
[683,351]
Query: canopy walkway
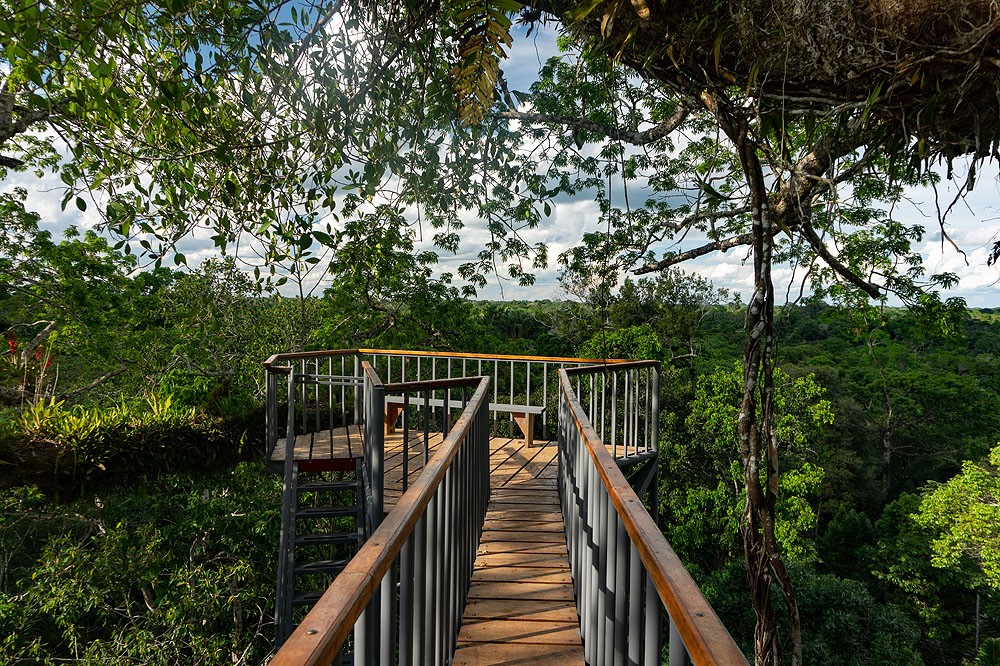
[471,509]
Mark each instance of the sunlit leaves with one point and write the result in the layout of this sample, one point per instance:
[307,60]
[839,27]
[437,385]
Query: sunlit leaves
[965,513]
[483,32]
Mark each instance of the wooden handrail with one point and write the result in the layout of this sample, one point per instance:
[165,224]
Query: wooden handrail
[275,358]
[500,357]
[368,370]
[706,638]
[618,365]
[321,634]
[292,356]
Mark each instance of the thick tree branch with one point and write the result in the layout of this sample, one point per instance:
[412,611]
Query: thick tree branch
[666,262]
[10,127]
[654,133]
[820,248]
[806,178]
[38,339]
[100,380]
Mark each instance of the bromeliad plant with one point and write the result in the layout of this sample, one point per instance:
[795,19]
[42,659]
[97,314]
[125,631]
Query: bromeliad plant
[26,371]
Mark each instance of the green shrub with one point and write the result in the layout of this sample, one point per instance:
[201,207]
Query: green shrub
[153,435]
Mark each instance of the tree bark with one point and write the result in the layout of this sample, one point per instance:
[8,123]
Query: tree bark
[758,441]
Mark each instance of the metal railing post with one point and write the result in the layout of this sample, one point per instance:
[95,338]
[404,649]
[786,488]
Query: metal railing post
[283,606]
[358,394]
[655,410]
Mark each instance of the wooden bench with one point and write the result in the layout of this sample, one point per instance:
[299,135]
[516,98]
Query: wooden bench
[524,415]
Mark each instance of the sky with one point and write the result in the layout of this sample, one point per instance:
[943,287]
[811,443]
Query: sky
[973,224]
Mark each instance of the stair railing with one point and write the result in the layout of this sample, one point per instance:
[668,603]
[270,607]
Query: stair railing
[403,594]
[624,570]
[283,607]
[373,437]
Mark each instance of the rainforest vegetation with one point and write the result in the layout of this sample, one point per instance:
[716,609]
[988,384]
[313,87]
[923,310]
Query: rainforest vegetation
[835,458]
[137,521]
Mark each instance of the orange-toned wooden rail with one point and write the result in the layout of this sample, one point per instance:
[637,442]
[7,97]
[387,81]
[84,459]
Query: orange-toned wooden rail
[623,566]
[274,359]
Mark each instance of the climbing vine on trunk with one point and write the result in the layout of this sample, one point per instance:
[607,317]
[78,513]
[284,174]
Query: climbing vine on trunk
[758,442]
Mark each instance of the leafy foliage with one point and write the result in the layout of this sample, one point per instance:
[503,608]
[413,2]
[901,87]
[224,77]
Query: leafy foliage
[965,510]
[171,570]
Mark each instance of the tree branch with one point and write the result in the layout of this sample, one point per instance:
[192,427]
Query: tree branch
[100,380]
[666,262]
[654,133]
[820,248]
[38,339]
[657,236]
[9,127]
[10,162]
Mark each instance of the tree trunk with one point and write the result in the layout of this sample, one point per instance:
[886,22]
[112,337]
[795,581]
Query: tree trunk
[758,442]
[887,456]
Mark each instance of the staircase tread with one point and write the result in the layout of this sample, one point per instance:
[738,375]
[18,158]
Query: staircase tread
[325,538]
[305,598]
[321,566]
[325,511]
[313,486]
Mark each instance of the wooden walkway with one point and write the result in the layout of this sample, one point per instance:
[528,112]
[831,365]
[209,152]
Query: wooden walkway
[521,608]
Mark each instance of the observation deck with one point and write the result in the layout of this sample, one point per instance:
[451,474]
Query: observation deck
[498,513]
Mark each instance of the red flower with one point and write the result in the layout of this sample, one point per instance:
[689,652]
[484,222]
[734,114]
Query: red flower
[48,363]
[13,345]
[38,355]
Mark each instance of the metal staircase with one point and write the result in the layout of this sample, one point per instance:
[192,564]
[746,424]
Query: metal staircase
[324,522]
[322,527]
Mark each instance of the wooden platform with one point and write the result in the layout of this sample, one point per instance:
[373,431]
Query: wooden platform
[521,607]
[326,449]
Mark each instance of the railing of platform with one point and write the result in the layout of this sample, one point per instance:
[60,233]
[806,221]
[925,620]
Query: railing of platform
[624,571]
[522,386]
[328,394]
[623,404]
[373,438]
[403,594]
[414,403]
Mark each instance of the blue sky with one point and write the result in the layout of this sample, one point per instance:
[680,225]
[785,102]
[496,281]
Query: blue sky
[973,224]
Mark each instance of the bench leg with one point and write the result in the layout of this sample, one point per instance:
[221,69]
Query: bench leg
[526,422]
[391,414]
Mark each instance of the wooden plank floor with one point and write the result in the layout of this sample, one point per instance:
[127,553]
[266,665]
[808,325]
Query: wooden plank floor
[512,462]
[521,607]
[323,445]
